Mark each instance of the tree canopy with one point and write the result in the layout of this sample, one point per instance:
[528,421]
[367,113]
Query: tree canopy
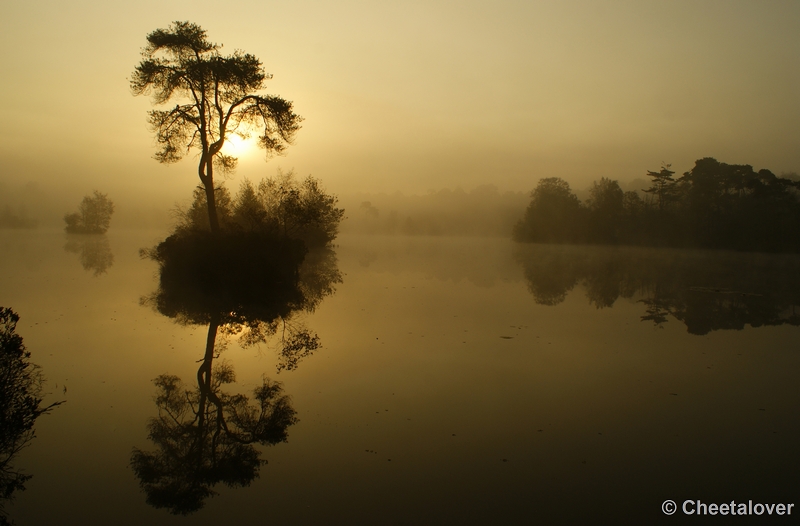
[215,95]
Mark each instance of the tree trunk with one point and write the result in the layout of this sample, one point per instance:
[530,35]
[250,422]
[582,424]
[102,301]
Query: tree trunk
[206,173]
[213,219]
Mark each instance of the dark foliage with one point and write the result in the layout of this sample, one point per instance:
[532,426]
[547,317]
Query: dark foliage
[715,205]
[606,207]
[706,290]
[278,206]
[554,214]
[20,405]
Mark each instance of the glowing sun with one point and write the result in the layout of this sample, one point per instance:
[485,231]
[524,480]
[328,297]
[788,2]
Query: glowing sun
[238,147]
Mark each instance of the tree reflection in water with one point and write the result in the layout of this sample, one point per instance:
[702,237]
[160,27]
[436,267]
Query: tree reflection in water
[94,252]
[706,290]
[244,286]
[204,436]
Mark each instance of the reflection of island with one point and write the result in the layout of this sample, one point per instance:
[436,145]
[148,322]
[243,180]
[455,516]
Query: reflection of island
[705,290]
[20,405]
[251,286]
[93,251]
[243,285]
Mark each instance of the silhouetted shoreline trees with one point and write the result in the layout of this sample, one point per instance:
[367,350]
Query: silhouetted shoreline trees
[715,205]
[21,404]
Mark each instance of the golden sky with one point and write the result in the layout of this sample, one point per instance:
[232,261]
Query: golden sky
[418,95]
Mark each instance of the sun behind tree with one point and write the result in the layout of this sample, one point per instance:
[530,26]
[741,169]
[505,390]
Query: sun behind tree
[216,99]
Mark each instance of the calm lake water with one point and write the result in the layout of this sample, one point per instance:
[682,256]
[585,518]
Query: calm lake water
[459,381]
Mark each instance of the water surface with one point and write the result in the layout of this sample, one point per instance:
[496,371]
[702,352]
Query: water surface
[459,381]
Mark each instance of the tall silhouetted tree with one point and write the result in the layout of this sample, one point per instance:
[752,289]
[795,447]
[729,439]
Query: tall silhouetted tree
[664,187]
[216,96]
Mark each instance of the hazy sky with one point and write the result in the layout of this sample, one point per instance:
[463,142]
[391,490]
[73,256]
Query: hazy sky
[418,95]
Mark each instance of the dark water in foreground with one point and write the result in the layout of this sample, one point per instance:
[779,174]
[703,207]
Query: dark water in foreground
[459,382]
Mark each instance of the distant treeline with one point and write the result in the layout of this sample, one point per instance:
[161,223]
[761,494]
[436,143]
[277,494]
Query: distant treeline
[715,205]
[483,211]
